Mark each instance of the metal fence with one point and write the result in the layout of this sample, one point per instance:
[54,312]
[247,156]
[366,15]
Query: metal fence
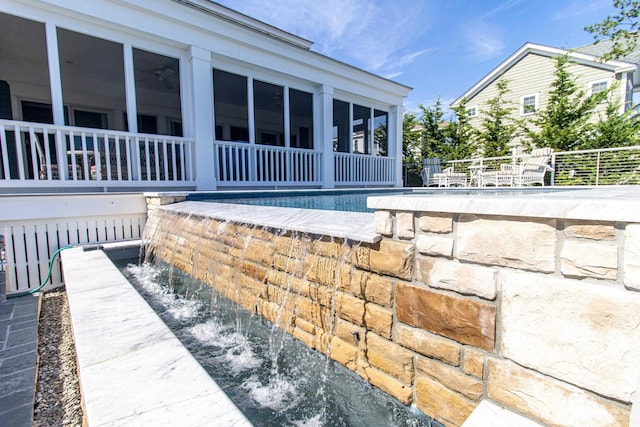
[606,166]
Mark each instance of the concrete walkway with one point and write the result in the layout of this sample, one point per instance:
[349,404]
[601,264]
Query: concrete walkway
[18,350]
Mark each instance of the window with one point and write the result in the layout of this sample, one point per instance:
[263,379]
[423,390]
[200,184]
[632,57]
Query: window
[90,119]
[157,91]
[361,120]
[301,119]
[472,111]
[268,109]
[231,107]
[340,126]
[380,138]
[528,104]
[598,86]
[85,60]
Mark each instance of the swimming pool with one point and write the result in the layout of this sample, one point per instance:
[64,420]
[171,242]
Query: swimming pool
[348,200]
[343,200]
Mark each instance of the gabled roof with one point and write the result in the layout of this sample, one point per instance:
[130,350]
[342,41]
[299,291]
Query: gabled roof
[603,46]
[591,59]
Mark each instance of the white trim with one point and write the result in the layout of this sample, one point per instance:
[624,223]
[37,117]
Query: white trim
[475,110]
[536,97]
[591,83]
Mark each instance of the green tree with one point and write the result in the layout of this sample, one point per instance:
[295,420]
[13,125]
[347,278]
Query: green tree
[614,129]
[565,123]
[620,28]
[411,138]
[497,129]
[433,136]
[459,142]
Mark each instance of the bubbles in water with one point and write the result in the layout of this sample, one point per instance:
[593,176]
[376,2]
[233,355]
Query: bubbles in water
[176,307]
[315,421]
[279,394]
[238,355]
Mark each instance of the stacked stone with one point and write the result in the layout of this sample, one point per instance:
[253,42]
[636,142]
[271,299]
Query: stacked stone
[540,315]
[537,315]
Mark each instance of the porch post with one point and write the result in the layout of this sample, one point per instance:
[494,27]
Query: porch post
[203,117]
[130,88]
[395,141]
[324,141]
[55,79]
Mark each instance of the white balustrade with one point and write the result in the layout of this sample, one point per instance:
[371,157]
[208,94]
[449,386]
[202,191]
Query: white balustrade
[364,169]
[244,164]
[33,154]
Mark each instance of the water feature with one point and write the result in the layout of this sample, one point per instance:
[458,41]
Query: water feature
[273,378]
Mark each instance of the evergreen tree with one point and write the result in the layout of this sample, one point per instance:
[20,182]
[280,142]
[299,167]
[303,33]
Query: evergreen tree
[564,124]
[411,138]
[621,28]
[497,129]
[459,143]
[614,129]
[433,136]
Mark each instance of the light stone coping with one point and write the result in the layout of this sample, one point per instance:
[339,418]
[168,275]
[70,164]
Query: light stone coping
[609,203]
[358,226]
[488,413]
[132,368]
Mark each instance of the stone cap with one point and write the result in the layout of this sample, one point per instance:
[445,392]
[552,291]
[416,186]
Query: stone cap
[358,226]
[604,203]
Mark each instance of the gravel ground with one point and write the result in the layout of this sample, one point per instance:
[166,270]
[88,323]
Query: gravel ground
[58,401]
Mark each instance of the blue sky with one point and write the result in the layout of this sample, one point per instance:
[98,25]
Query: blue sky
[439,47]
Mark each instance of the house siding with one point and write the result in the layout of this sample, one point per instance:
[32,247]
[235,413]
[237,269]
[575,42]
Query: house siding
[533,74]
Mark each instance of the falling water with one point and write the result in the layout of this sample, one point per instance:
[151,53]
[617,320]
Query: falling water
[272,377]
[304,388]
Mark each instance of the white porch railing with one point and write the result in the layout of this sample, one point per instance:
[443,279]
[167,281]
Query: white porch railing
[34,154]
[363,169]
[243,164]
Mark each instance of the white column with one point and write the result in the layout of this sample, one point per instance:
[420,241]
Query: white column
[394,136]
[202,100]
[324,139]
[55,78]
[287,117]
[130,89]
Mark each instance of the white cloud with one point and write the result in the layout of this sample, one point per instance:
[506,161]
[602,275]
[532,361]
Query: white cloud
[579,8]
[373,35]
[483,42]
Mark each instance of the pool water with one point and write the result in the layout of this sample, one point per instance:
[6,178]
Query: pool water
[350,201]
[274,379]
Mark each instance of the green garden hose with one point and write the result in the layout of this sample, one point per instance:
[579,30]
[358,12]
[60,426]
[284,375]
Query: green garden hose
[33,291]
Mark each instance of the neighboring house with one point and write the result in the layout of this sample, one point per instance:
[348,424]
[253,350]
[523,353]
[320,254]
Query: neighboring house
[531,70]
[183,94]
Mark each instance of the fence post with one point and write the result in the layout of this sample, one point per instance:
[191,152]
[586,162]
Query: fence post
[598,169]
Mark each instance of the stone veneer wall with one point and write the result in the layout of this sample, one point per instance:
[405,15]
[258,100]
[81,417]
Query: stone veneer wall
[540,316]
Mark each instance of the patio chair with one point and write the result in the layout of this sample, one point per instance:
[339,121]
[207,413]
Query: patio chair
[449,177]
[529,171]
[503,177]
[533,169]
[430,167]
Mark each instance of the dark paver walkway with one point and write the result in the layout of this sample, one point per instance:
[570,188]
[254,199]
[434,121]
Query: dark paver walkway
[18,347]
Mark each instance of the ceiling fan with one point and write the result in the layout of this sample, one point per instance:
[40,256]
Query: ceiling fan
[166,75]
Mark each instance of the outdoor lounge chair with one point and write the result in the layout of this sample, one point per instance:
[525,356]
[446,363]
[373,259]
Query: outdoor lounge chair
[448,177]
[433,175]
[530,171]
[430,167]
[533,169]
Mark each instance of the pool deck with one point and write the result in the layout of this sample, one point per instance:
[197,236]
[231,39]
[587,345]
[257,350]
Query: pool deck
[18,359]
